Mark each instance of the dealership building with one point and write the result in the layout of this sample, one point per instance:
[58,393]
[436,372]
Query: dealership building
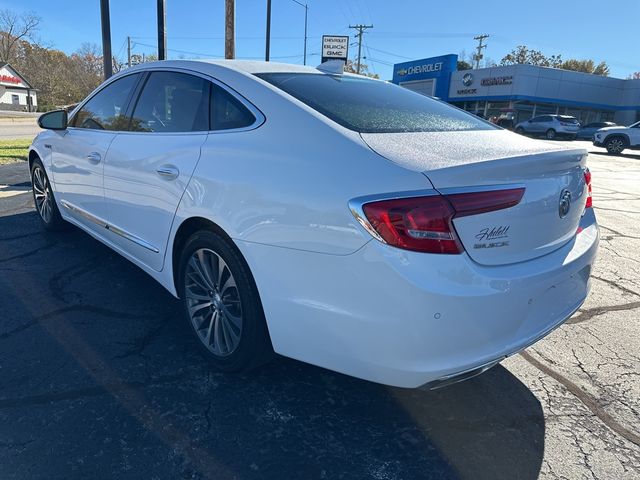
[15,91]
[525,90]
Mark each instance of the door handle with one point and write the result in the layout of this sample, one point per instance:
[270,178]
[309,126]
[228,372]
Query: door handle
[168,172]
[94,157]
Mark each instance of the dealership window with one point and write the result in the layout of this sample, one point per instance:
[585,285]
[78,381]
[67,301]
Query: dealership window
[15,99]
[546,109]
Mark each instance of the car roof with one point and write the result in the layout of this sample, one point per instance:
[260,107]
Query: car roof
[243,66]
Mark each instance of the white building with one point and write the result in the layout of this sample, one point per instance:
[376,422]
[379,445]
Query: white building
[15,92]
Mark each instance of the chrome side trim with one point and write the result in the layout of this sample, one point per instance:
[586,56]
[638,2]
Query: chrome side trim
[356,206]
[83,213]
[112,228]
[133,238]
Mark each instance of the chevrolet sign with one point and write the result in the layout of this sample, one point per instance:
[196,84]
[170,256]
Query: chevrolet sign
[426,68]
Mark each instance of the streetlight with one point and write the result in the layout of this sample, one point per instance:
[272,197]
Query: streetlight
[306,9]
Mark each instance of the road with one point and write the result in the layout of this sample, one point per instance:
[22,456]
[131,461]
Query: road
[99,379]
[24,127]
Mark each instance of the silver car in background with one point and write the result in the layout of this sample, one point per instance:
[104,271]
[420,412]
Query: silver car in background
[550,126]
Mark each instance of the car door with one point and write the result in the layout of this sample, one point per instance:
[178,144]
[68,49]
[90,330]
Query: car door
[634,134]
[78,154]
[533,125]
[149,166]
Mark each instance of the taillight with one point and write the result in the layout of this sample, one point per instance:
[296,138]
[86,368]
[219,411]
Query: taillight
[482,202]
[587,181]
[424,224]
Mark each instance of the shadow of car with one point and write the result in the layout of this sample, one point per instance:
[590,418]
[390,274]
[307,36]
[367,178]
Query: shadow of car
[97,363]
[587,131]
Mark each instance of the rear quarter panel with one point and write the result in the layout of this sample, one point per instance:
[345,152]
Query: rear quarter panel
[288,182]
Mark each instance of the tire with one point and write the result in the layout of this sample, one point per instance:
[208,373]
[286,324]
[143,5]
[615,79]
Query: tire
[223,310]
[615,144]
[550,134]
[520,131]
[44,199]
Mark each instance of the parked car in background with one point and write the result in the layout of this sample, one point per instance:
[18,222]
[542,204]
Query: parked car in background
[550,126]
[339,220]
[587,131]
[616,139]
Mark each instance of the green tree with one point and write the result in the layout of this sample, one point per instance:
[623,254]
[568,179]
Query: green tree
[634,76]
[464,65]
[350,67]
[586,66]
[524,55]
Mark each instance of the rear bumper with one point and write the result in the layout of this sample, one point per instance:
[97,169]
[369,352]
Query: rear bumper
[408,319]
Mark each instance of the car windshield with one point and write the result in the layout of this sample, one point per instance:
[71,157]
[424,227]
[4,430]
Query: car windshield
[567,119]
[372,106]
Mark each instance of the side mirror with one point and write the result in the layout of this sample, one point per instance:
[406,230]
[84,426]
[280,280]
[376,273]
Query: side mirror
[55,120]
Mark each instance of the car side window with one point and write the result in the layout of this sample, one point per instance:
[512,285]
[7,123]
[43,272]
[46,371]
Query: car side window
[172,102]
[536,119]
[106,109]
[227,112]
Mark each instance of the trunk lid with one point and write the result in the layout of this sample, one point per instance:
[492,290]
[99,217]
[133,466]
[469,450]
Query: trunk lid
[460,162]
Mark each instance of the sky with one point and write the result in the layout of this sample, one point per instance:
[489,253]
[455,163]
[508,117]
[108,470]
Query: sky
[402,29]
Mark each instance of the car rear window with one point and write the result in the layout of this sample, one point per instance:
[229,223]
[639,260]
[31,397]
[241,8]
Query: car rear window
[371,106]
[568,119]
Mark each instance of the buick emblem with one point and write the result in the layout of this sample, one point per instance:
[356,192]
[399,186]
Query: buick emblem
[565,203]
[467,79]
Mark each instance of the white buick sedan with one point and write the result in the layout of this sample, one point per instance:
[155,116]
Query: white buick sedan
[342,221]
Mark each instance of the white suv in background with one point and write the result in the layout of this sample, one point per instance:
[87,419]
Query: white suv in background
[617,139]
[550,126]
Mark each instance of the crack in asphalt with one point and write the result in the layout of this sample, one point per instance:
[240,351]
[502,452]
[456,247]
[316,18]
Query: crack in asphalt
[47,246]
[617,233]
[105,312]
[140,344]
[589,401]
[613,284]
[19,237]
[59,279]
[98,390]
[589,313]
[15,444]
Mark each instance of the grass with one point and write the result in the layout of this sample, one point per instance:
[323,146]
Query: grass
[13,150]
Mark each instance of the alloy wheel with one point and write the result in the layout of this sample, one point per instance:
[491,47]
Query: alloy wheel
[213,302]
[42,194]
[615,145]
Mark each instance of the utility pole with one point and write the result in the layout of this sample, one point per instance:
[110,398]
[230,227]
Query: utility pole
[162,30]
[106,38]
[229,29]
[129,51]
[306,11]
[268,34]
[478,56]
[361,29]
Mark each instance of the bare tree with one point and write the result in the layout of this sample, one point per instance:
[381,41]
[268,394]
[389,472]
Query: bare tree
[14,28]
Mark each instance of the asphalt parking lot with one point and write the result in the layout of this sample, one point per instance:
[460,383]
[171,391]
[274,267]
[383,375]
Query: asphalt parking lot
[99,379]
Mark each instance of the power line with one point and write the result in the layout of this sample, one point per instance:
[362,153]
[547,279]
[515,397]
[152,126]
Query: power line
[389,53]
[361,29]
